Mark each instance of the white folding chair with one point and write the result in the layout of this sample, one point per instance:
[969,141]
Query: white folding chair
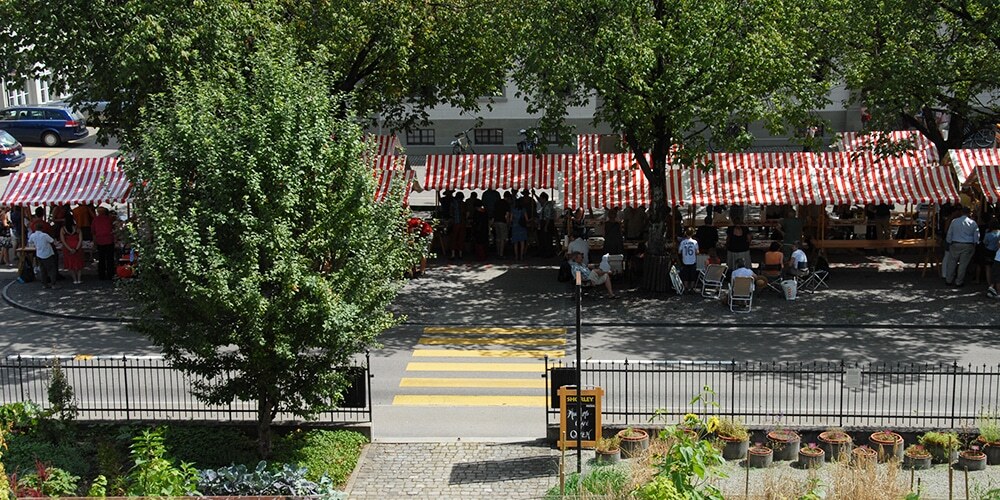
[814,280]
[715,274]
[675,279]
[617,263]
[741,294]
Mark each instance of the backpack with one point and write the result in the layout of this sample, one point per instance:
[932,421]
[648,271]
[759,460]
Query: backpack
[565,273]
[27,274]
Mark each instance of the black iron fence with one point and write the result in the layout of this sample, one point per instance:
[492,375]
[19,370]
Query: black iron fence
[148,388]
[813,394]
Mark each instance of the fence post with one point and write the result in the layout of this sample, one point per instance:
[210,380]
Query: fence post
[548,392]
[125,378]
[843,373]
[954,391]
[627,396]
[20,376]
[732,390]
[368,379]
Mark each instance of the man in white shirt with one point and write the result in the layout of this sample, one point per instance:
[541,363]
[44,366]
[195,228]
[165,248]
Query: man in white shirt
[963,236]
[742,271]
[580,245]
[798,263]
[594,276]
[45,252]
[688,250]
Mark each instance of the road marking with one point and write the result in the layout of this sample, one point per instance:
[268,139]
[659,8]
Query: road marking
[50,154]
[479,383]
[434,400]
[416,366]
[495,330]
[487,341]
[485,353]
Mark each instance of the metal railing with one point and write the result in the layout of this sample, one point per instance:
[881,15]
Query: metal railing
[813,394]
[147,388]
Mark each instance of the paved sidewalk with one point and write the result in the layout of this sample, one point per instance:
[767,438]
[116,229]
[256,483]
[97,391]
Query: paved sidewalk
[457,470]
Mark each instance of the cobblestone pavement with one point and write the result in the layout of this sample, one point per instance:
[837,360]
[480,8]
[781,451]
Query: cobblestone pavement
[457,470]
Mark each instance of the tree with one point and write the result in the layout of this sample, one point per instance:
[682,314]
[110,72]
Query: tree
[664,72]
[929,65]
[391,58]
[265,263]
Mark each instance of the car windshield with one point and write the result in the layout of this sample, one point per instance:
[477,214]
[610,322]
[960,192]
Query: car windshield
[6,140]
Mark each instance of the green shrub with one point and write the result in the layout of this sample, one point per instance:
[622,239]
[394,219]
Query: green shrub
[19,416]
[98,488]
[156,475]
[23,450]
[50,481]
[605,482]
[210,446]
[660,488]
[333,453]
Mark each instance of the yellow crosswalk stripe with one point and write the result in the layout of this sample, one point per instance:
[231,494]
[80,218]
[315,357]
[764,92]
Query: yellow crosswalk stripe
[416,366]
[485,353]
[435,400]
[494,330]
[477,383]
[488,341]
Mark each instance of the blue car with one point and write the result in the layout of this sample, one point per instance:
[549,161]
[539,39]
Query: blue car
[49,125]
[11,152]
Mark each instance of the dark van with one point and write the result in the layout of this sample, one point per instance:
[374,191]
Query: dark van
[49,125]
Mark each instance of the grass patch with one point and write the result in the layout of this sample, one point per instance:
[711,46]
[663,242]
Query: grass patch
[334,453]
[603,482]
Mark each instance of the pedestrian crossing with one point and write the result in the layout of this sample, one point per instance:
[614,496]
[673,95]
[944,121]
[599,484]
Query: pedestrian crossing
[480,366]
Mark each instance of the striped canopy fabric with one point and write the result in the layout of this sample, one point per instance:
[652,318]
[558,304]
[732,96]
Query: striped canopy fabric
[73,164]
[385,144]
[91,185]
[989,180]
[886,184]
[389,162]
[588,144]
[494,171]
[861,141]
[826,160]
[761,186]
[387,179]
[966,161]
[605,181]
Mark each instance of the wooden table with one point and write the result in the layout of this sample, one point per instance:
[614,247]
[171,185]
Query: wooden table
[929,243]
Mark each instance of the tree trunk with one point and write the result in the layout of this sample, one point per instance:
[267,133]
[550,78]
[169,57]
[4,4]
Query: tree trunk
[264,419]
[656,268]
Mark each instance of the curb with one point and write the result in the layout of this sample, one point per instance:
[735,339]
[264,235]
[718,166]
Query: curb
[354,473]
[17,305]
[761,326]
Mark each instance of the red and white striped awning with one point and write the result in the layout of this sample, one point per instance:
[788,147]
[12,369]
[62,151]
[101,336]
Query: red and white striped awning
[389,162]
[861,141]
[496,171]
[56,188]
[606,181]
[73,164]
[886,184]
[588,144]
[989,181]
[826,160]
[384,144]
[760,186]
[966,161]
[386,179]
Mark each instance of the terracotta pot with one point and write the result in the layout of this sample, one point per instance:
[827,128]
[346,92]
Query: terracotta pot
[809,459]
[608,457]
[634,444]
[971,460]
[916,462]
[785,444]
[760,458]
[734,448]
[865,455]
[992,451]
[691,433]
[885,448]
[837,448]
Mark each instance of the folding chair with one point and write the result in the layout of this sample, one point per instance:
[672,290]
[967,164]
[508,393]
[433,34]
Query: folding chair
[814,280]
[772,274]
[617,263]
[715,274]
[741,294]
[675,280]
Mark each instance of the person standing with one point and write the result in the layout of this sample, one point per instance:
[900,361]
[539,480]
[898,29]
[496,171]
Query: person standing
[6,241]
[459,220]
[737,244]
[501,224]
[546,225]
[104,239]
[963,235]
[614,239]
[991,243]
[45,253]
[791,230]
[519,229]
[72,243]
[688,250]
[83,215]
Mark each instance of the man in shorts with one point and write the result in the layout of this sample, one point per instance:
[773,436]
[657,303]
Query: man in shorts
[688,250]
[594,276]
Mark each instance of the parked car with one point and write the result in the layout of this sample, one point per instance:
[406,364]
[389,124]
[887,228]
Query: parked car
[11,152]
[49,125]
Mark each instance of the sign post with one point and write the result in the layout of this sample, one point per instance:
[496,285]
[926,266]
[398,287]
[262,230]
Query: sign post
[579,417]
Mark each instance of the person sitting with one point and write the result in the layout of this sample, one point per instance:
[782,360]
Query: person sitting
[773,259]
[742,271]
[797,264]
[594,276]
[580,245]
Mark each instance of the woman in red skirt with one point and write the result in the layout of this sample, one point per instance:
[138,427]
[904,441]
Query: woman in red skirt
[72,244]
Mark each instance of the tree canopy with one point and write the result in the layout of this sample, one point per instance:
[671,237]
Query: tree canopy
[265,263]
[663,73]
[930,65]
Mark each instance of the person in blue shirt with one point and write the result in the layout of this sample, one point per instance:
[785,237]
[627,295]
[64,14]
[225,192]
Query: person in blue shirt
[963,235]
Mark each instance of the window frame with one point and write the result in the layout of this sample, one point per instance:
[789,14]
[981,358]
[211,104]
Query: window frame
[488,136]
[418,137]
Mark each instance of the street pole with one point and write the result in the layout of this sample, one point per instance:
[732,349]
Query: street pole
[579,378]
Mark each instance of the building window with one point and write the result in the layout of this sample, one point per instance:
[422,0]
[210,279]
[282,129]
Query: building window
[551,138]
[489,135]
[43,91]
[17,96]
[420,137]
